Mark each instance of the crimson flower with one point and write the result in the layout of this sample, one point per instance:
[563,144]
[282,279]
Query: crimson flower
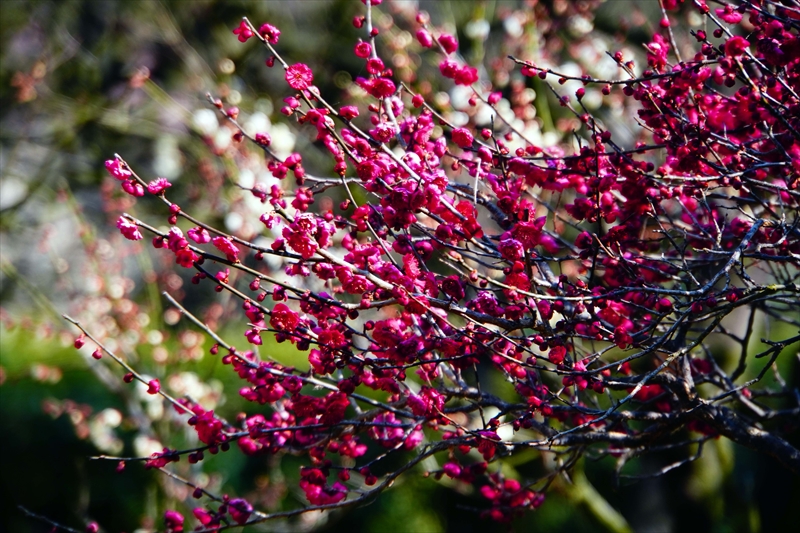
[173,520]
[729,15]
[227,247]
[243,32]
[462,137]
[284,318]
[270,33]
[186,257]
[158,185]
[424,38]
[299,76]
[129,229]
[448,42]
[363,50]
[199,235]
[240,510]
[735,46]
[116,169]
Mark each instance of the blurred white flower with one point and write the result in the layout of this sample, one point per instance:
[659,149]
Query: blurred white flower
[283,140]
[477,29]
[101,431]
[579,25]
[205,121]
[188,384]
[168,159]
[144,446]
[257,123]
[513,26]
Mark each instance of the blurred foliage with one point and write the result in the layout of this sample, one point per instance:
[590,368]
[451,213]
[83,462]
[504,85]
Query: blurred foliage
[83,79]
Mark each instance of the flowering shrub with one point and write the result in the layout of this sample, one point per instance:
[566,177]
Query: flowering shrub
[481,290]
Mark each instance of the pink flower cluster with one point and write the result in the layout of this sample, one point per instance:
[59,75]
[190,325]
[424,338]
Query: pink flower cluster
[434,254]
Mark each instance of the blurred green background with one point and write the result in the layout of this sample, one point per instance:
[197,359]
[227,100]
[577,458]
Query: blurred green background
[81,80]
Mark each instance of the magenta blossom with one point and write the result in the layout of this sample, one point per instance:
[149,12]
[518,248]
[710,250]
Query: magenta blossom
[243,32]
[363,50]
[424,38]
[348,112]
[240,510]
[462,137]
[133,188]
[186,258]
[116,169]
[158,186]
[729,15]
[129,229]
[225,246]
[299,76]
[153,386]
[173,521]
[199,235]
[735,46]
[448,42]
[270,33]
